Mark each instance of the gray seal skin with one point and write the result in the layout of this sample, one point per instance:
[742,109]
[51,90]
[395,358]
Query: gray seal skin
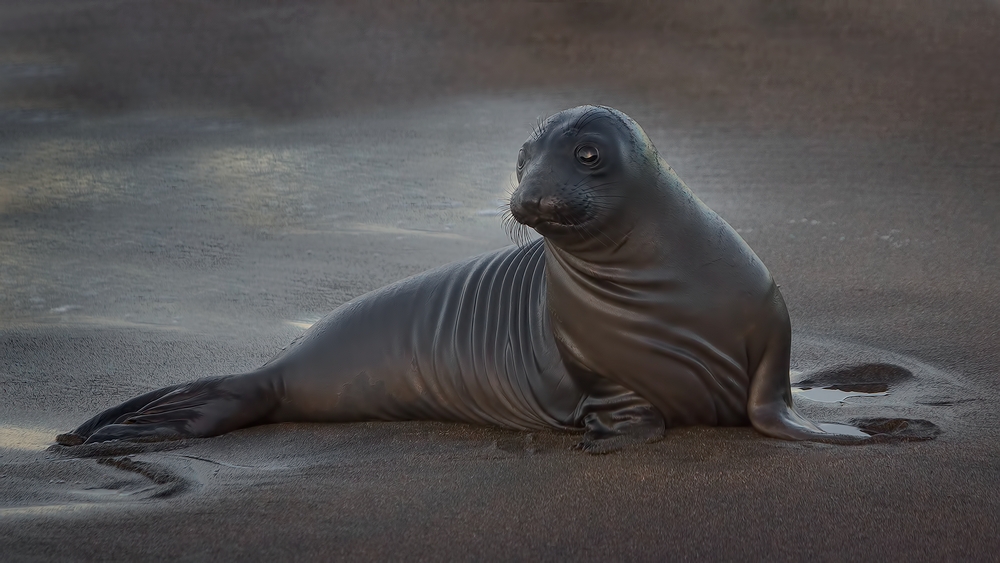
[639,309]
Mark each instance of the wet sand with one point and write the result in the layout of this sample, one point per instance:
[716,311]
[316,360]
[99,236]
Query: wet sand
[185,186]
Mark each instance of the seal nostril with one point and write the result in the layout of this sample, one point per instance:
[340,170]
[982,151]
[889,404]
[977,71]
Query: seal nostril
[524,206]
[524,210]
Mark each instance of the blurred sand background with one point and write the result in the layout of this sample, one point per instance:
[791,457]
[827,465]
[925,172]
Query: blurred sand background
[185,186]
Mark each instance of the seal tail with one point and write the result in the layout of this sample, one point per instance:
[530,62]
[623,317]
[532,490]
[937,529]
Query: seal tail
[200,409]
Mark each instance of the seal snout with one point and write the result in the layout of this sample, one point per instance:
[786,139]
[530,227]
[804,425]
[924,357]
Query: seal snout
[531,211]
[551,209]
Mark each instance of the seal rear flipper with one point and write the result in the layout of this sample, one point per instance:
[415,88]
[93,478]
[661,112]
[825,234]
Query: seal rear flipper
[109,416]
[203,408]
[624,420]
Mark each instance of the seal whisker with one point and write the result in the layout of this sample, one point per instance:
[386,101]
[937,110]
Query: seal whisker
[592,119]
[513,229]
[585,227]
[607,238]
[533,130]
[578,123]
[607,193]
[591,234]
[539,129]
[602,203]
[524,236]
[511,189]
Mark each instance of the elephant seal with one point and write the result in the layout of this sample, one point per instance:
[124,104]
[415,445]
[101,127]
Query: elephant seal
[639,309]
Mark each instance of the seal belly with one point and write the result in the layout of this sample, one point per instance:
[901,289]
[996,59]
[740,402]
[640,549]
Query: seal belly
[468,342]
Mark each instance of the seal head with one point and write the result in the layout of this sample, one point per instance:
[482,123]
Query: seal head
[580,173]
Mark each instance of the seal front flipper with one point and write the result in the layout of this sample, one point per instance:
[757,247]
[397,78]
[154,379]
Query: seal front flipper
[769,405]
[203,408]
[614,422]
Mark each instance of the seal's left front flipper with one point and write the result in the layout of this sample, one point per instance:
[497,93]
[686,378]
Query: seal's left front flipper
[769,402]
[617,421]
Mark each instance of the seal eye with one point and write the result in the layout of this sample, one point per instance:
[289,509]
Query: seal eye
[587,154]
[520,159]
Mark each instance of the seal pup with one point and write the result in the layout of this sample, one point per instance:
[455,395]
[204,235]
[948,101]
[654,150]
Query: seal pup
[639,309]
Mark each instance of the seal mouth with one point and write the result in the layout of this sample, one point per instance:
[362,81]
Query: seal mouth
[550,227]
[550,224]
[547,224]
[549,213]
[517,219]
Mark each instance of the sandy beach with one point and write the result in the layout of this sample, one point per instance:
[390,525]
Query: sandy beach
[187,186]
